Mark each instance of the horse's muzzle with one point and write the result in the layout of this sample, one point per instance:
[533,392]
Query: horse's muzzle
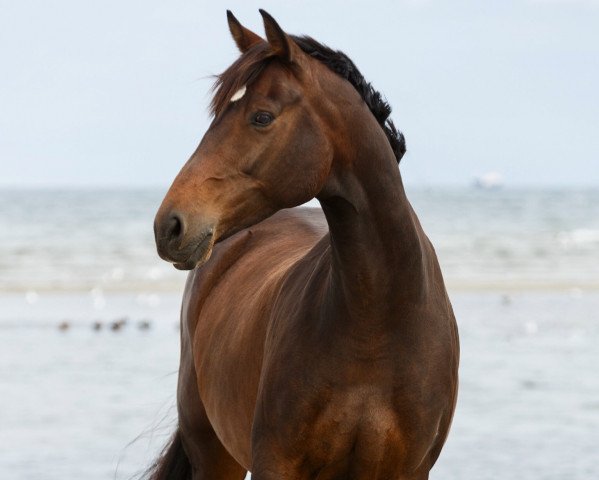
[180,243]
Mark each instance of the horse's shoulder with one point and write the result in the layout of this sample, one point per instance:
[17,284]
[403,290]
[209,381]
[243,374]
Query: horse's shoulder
[269,244]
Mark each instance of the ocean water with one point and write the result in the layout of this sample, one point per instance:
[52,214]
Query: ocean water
[522,268]
[506,239]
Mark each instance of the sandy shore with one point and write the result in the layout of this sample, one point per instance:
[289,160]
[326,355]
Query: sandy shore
[84,403]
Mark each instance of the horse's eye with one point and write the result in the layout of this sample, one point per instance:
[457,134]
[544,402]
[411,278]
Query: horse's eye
[262,119]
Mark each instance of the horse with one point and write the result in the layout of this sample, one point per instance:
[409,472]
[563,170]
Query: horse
[315,343]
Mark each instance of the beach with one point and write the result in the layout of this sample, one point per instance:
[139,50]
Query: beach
[84,398]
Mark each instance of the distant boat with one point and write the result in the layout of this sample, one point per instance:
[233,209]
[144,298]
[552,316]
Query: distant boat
[489,180]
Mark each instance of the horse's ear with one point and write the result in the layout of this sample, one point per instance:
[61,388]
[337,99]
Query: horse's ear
[282,46]
[243,37]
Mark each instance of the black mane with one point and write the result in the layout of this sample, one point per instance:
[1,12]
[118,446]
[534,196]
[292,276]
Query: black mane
[341,64]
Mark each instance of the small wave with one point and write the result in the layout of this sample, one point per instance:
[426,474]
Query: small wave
[578,237]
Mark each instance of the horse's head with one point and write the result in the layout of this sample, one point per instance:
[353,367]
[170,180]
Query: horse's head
[266,149]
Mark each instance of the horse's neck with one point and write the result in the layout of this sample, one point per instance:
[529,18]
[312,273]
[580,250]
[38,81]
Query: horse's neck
[376,241]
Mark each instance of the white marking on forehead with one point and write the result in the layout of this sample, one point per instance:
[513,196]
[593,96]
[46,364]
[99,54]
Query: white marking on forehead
[238,94]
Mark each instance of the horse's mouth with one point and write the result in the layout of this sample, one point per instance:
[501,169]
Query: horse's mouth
[200,254]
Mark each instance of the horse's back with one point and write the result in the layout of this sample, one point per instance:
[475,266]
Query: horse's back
[226,309]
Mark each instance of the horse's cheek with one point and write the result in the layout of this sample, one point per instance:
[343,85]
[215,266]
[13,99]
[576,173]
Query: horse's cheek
[306,165]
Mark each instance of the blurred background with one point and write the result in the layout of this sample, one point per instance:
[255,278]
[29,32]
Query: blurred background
[101,103]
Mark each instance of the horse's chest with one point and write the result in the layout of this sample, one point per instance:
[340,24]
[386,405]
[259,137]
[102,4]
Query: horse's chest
[356,434]
[358,420]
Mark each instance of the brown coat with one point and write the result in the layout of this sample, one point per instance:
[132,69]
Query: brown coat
[313,346]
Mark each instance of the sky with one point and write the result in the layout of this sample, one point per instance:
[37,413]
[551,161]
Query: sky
[115,93]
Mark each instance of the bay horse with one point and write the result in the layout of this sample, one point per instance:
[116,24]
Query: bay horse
[314,344]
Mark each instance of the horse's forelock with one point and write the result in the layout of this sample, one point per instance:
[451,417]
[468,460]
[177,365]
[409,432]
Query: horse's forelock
[240,74]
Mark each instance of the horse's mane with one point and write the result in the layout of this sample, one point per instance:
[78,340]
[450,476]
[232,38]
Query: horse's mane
[248,66]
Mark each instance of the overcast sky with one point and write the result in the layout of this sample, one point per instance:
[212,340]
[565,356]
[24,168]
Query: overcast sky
[114,93]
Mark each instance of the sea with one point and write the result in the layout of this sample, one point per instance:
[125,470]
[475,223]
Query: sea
[89,333]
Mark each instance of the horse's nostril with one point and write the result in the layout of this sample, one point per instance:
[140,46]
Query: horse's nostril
[175,227]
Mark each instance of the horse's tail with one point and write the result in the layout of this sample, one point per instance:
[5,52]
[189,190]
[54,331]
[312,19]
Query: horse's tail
[173,463]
